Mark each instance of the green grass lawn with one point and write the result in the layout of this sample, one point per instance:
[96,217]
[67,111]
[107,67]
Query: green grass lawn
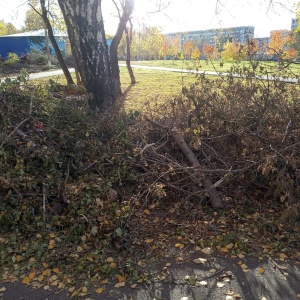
[152,84]
[215,65]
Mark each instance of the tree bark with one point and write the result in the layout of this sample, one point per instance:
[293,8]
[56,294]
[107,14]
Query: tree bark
[126,13]
[54,43]
[87,38]
[128,52]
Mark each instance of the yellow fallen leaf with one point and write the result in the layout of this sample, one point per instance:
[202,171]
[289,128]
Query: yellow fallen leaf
[99,290]
[105,281]
[55,270]
[180,246]
[40,278]
[146,211]
[74,294]
[31,275]
[113,265]
[229,246]
[52,235]
[46,265]
[224,249]
[72,289]
[240,255]
[26,280]
[121,278]
[149,241]
[79,249]
[19,258]
[46,287]
[46,272]
[119,284]
[110,260]
[54,283]
[133,286]
[32,259]
[244,266]
[261,270]
[84,290]
[206,250]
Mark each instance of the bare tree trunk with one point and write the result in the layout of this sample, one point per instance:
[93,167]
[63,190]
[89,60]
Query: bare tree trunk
[128,52]
[54,43]
[88,43]
[127,11]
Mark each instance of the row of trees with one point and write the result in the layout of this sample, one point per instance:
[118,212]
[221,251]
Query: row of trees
[149,43]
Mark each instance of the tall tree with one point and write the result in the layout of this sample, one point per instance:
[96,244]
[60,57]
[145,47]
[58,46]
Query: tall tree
[86,32]
[125,9]
[58,53]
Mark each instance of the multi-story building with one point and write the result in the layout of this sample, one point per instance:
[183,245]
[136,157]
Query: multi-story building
[212,37]
[294,24]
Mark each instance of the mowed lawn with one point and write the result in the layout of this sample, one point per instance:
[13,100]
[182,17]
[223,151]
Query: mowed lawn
[150,85]
[215,65]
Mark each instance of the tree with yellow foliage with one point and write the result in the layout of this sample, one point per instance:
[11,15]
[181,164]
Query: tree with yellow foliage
[234,51]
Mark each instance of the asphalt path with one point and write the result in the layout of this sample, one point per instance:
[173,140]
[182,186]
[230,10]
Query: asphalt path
[214,278]
[34,76]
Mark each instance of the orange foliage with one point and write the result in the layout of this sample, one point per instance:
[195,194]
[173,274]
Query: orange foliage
[209,51]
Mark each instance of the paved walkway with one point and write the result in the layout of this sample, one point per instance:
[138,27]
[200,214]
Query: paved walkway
[210,279]
[33,76]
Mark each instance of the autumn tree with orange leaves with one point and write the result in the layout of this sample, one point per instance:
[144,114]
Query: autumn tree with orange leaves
[280,45]
[209,51]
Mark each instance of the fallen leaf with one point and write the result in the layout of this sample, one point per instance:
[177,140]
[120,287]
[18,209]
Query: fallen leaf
[46,272]
[52,235]
[261,270]
[2,289]
[55,270]
[31,275]
[220,284]
[229,297]
[168,264]
[244,266]
[84,290]
[180,246]
[119,284]
[146,211]
[200,260]
[46,287]
[133,286]
[121,278]
[149,241]
[19,258]
[110,260]
[213,271]
[203,283]
[206,250]
[99,290]
[26,280]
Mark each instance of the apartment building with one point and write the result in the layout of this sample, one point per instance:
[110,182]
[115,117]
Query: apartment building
[240,34]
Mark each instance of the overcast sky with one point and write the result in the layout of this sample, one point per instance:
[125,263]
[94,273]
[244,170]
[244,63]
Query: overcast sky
[188,15]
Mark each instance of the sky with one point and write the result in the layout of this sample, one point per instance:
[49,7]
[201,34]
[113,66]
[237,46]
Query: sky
[187,15]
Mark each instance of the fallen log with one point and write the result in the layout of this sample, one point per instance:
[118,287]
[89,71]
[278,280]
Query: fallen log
[214,198]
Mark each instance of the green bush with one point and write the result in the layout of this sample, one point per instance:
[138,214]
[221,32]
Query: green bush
[11,59]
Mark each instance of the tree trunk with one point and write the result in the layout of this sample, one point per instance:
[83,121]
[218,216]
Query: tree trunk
[128,52]
[127,11]
[54,43]
[87,38]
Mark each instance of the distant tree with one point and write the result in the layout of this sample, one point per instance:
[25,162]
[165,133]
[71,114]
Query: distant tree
[7,28]
[234,51]
[281,45]
[171,47]
[209,51]
[33,20]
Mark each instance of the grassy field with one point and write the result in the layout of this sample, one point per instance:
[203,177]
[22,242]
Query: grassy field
[216,65]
